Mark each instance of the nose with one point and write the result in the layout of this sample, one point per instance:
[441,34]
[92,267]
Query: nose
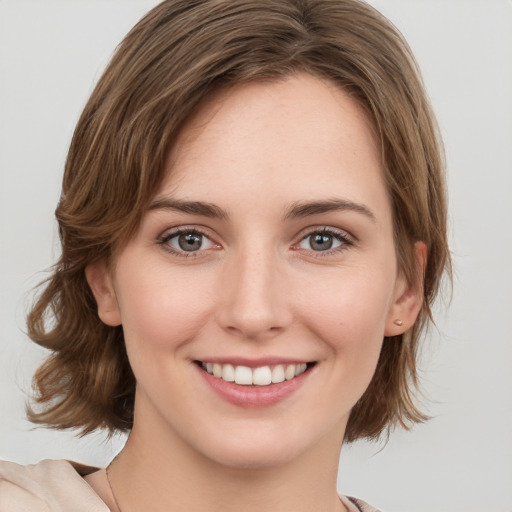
[254,297]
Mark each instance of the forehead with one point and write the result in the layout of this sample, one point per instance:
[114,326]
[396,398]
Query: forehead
[302,136]
[316,103]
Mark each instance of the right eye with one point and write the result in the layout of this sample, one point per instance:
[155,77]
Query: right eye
[186,242]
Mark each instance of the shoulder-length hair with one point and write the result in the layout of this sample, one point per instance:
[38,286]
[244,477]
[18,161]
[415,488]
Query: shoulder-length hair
[171,61]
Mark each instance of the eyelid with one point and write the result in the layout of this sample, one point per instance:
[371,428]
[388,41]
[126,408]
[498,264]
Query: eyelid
[170,233]
[325,228]
[344,236]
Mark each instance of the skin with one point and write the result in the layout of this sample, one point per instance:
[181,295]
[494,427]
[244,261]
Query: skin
[256,288]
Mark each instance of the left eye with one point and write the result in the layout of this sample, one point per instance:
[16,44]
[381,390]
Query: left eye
[321,241]
[188,241]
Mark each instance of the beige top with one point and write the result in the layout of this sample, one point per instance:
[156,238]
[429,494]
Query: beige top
[58,486]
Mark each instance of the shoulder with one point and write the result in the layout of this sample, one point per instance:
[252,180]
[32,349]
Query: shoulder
[354,505]
[58,486]
[48,486]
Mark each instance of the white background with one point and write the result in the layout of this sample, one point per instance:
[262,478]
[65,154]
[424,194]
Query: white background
[51,54]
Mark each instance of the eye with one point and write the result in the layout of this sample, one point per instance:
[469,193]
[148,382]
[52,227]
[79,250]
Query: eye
[185,242]
[324,240]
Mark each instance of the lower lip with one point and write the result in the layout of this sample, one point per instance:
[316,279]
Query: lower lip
[254,396]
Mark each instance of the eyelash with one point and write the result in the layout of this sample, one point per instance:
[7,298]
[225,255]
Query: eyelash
[341,236]
[164,240]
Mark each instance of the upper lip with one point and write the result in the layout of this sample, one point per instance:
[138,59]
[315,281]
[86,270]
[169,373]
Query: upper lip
[254,362]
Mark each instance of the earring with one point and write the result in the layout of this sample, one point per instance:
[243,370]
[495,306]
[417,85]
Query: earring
[398,322]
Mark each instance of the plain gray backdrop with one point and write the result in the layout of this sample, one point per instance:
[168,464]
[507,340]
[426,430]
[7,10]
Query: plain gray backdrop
[51,54]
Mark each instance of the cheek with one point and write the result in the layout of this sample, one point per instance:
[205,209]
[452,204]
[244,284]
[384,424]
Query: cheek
[350,322]
[350,314]
[161,310]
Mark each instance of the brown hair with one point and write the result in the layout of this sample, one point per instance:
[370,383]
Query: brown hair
[171,61]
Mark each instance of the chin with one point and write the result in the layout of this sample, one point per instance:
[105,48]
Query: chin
[253,457]
[264,447]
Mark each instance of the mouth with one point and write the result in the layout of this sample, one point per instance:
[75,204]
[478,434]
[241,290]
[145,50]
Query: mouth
[258,376]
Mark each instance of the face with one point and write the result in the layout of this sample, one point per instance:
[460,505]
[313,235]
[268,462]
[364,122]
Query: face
[267,258]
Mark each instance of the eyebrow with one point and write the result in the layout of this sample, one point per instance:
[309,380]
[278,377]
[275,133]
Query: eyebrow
[305,209]
[192,207]
[296,210]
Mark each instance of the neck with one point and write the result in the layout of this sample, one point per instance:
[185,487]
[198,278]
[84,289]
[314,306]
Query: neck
[157,471]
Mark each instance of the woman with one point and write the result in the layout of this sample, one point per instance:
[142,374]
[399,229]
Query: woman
[253,229]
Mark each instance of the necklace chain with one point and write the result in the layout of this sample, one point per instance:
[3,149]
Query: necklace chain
[112,489]
[114,494]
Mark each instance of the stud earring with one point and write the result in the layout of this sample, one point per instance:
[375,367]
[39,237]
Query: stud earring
[398,322]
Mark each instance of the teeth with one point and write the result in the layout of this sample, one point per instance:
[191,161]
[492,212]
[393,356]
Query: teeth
[261,376]
[243,375]
[228,373]
[289,373]
[217,370]
[278,374]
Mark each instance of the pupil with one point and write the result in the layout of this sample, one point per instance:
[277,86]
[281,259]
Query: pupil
[321,242]
[190,242]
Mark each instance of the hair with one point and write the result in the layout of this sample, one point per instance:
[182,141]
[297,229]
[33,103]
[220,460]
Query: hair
[169,63]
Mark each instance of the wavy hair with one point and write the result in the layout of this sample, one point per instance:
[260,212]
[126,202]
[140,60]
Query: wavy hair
[169,63]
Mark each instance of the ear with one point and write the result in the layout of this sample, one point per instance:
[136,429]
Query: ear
[100,282]
[408,298]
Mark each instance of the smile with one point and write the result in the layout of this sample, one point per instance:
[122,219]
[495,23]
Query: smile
[259,376]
